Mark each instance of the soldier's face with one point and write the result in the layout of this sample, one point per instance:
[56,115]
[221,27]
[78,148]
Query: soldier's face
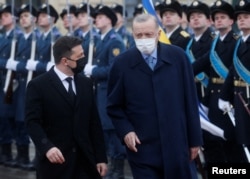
[243,22]
[170,19]
[25,19]
[6,19]
[222,21]
[198,20]
[70,20]
[119,18]
[102,21]
[83,19]
[43,19]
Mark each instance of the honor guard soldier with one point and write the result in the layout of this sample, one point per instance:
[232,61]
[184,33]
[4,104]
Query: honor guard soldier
[47,17]
[235,90]
[110,46]
[198,15]
[218,61]
[120,27]
[70,21]
[11,34]
[27,19]
[138,10]
[87,31]
[171,14]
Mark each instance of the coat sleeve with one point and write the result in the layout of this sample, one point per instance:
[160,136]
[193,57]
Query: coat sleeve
[33,118]
[192,112]
[115,102]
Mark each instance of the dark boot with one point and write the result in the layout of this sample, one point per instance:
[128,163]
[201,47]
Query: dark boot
[118,172]
[6,153]
[23,161]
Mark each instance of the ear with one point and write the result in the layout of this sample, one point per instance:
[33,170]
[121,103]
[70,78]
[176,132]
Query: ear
[64,61]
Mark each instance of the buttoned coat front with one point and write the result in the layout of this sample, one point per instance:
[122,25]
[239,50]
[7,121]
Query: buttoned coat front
[54,121]
[160,106]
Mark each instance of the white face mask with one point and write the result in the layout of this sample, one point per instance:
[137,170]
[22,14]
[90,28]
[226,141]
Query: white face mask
[145,46]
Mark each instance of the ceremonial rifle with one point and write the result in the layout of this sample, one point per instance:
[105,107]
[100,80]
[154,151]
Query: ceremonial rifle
[125,39]
[51,33]
[69,18]
[9,76]
[245,104]
[91,42]
[33,43]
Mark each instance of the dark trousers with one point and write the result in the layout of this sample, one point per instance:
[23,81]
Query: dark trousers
[223,152]
[72,168]
[141,171]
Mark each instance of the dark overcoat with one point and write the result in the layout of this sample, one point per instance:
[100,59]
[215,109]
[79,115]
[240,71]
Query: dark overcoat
[160,106]
[54,121]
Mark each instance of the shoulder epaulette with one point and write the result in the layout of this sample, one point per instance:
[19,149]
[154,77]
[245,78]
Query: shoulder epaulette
[184,33]
[112,36]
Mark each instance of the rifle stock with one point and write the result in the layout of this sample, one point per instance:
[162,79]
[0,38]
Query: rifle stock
[91,43]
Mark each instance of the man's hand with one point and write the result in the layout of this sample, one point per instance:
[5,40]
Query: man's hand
[31,65]
[11,64]
[131,140]
[102,168]
[224,105]
[194,152]
[55,155]
[88,69]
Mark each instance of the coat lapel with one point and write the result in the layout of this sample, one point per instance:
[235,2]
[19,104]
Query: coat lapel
[139,62]
[57,84]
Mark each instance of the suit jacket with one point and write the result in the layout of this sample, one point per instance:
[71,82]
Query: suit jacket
[54,121]
[160,106]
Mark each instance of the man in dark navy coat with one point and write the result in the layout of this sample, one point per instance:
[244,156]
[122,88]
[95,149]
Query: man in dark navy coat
[153,104]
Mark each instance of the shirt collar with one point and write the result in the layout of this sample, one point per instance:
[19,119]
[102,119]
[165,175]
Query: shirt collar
[153,54]
[60,74]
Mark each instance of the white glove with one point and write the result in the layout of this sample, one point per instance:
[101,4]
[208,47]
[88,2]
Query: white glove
[88,69]
[11,64]
[31,65]
[49,65]
[205,108]
[224,105]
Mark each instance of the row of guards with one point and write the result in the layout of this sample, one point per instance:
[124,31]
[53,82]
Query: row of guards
[10,74]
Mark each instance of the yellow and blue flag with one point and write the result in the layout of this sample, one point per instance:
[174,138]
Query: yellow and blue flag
[149,8]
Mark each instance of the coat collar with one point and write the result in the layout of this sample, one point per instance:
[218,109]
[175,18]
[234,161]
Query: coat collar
[138,60]
[58,85]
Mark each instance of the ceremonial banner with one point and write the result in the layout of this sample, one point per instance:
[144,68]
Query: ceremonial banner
[149,8]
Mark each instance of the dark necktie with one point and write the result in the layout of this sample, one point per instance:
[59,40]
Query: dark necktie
[70,89]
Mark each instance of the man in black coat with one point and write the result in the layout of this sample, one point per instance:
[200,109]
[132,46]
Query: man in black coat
[62,118]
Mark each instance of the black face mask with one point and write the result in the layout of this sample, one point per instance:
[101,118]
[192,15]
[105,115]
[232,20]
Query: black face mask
[80,64]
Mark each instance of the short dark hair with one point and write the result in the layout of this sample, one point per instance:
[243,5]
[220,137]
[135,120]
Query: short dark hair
[63,47]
